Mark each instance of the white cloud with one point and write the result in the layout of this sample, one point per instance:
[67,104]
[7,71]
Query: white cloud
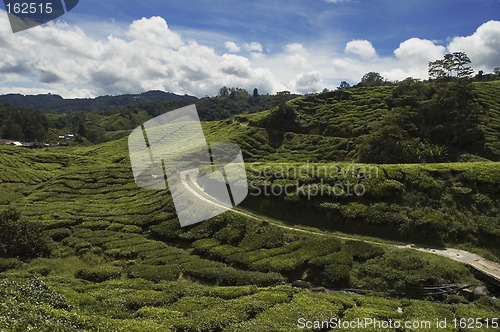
[236,65]
[155,30]
[413,56]
[295,48]
[148,55]
[297,57]
[307,82]
[419,51]
[253,47]
[362,48]
[336,1]
[63,59]
[232,47]
[482,47]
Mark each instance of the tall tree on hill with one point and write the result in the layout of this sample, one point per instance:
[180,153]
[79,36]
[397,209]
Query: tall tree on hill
[461,66]
[223,91]
[457,63]
[372,79]
[281,98]
[344,85]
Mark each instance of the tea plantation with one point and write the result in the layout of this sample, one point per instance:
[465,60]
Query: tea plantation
[118,260]
[84,249]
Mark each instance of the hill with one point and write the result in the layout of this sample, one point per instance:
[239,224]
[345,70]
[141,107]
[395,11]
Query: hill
[56,103]
[407,123]
[113,257]
[45,118]
[118,259]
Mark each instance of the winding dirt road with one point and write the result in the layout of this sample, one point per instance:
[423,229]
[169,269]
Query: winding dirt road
[488,268]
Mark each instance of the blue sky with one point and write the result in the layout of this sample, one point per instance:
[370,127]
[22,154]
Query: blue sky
[276,44]
[386,23]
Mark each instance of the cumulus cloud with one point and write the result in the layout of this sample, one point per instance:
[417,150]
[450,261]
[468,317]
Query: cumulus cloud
[419,51]
[482,47]
[232,47]
[253,47]
[361,48]
[236,65]
[149,55]
[61,58]
[297,57]
[155,31]
[307,82]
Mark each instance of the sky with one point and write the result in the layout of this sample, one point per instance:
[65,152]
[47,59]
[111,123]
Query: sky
[194,47]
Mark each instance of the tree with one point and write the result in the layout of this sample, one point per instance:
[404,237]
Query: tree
[223,91]
[437,69]
[82,130]
[238,93]
[452,62]
[372,79]
[20,238]
[460,64]
[255,92]
[281,98]
[344,85]
[497,71]
[13,130]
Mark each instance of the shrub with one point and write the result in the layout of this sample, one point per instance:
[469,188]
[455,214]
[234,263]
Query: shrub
[204,245]
[9,263]
[20,238]
[116,227]
[205,229]
[383,189]
[166,230]
[95,225]
[265,237]
[218,273]
[58,234]
[121,253]
[99,274]
[154,272]
[362,251]
[233,233]
[32,291]
[338,275]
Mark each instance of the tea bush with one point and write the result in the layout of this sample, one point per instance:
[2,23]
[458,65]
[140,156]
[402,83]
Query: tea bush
[99,274]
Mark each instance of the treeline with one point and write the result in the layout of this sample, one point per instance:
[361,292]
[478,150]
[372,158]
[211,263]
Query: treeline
[23,125]
[111,122]
[55,103]
[453,66]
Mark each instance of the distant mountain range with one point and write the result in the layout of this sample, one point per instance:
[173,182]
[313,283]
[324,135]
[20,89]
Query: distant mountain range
[50,102]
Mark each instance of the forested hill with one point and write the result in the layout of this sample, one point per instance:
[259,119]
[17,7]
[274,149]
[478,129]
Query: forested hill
[50,102]
[45,117]
[408,122]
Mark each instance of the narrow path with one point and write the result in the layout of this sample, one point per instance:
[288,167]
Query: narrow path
[489,268]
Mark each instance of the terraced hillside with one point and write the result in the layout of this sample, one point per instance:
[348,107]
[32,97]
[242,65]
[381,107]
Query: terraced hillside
[406,123]
[453,204]
[120,262]
[488,96]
